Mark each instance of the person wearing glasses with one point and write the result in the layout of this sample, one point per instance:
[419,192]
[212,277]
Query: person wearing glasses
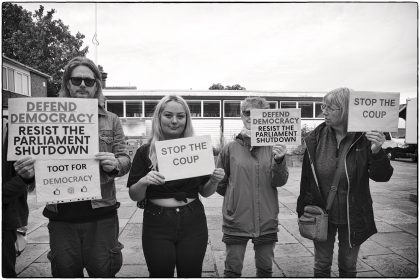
[175,231]
[351,214]
[250,205]
[84,234]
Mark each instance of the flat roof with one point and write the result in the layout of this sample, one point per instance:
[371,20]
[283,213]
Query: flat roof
[210,93]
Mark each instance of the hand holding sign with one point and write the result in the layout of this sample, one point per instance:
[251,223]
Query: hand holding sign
[153,178]
[279,151]
[217,175]
[25,167]
[377,138]
[107,161]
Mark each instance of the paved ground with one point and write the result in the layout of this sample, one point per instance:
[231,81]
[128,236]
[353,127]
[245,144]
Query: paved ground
[393,252]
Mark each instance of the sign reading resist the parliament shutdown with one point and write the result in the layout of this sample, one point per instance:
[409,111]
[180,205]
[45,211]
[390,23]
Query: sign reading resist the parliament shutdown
[275,126]
[52,128]
[185,157]
[373,111]
[62,135]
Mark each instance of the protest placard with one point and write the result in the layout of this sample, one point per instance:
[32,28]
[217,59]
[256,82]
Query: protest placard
[185,157]
[59,181]
[275,126]
[52,128]
[373,111]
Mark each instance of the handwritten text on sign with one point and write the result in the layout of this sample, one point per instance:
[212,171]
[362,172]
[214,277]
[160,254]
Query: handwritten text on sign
[373,111]
[275,126]
[53,128]
[185,157]
[59,181]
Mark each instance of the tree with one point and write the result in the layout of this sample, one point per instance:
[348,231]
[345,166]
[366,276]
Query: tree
[40,41]
[219,86]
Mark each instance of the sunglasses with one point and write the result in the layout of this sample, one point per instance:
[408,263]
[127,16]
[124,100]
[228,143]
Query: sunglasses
[246,113]
[77,81]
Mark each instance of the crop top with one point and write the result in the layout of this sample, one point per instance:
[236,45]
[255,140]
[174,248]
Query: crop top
[179,189]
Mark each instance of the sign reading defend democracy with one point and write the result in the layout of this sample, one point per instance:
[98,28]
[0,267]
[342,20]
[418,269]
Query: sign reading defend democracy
[185,157]
[373,111]
[52,128]
[59,181]
[275,126]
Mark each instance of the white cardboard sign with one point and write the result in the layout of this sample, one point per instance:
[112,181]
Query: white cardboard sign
[411,122]
[373,111]
[59,181]
[275,126]
[52,128]
[185,157]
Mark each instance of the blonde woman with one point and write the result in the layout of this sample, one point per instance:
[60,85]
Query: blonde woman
[174,223]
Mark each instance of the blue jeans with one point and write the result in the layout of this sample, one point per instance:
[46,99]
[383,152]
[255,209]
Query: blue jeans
[347,257]
[90,245]
[235,253]
[175,237]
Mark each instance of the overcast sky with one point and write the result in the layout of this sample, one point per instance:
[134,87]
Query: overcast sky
[281,46]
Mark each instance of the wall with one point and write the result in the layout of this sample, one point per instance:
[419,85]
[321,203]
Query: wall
[38,85]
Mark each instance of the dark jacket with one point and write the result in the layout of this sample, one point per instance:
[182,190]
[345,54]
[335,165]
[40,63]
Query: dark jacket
[15,209]
[250,205]
[360,165]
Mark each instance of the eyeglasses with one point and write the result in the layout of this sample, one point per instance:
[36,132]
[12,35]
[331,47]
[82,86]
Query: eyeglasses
[328,108]
[77,81]
[246,113]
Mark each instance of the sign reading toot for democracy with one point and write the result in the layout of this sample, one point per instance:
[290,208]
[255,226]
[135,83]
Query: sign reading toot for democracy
[185,157]
[59,181]
[275,126]
[373,111]
[52,128]
[62,135]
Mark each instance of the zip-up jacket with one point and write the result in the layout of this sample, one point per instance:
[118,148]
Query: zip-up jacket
[360,165]
[250,205]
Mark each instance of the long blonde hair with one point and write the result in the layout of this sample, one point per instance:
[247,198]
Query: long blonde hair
[157,134]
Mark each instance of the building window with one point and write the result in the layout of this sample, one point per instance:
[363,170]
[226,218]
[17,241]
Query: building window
[307,109]
[4,78]
[116,107]
[273,104]
[232,109]
[133,109]
[149,108]
[287,104]
[15,80]
[195,108]
[318,111]
[211,109]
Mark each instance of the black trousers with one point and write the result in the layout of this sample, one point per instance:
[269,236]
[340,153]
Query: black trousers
[8,253]
[175,237]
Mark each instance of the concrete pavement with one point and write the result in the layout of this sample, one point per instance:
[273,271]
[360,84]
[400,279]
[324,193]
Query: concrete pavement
[393,252]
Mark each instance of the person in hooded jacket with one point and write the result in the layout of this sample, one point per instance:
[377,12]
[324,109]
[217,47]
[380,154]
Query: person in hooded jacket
[250,205]
[351,214]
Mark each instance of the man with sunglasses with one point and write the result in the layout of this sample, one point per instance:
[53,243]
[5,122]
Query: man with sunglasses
[84,234]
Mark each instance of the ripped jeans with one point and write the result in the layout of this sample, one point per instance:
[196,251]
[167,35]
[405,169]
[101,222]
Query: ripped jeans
[91,245]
